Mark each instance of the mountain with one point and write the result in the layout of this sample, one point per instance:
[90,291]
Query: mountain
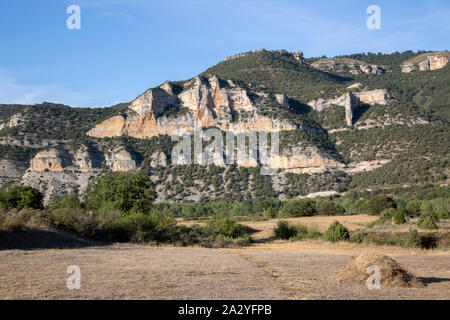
[346,124]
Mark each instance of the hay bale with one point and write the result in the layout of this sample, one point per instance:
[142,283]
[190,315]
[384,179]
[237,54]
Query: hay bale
[392,274]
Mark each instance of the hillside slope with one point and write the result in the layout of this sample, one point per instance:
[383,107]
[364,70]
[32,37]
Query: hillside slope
[341,129]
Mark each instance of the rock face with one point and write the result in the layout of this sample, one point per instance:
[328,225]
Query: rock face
[352,100]
[303,159]
[427,61]
[120,160]
[57,172]
[10,170]
[203,102]
[343,65]
[50,160]
[16,120]
[158,159]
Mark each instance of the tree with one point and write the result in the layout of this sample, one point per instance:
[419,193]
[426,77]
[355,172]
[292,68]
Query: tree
[22,197]
[128,192]
[376,204]
[336,232]
[298,208]
[329,208]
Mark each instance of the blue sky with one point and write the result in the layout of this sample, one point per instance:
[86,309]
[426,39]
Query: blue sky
[127,46]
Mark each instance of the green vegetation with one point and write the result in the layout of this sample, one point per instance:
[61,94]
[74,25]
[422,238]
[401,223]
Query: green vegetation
[389,215]
[124,192]
[428,220]
[270,72]
[21,197]
[284,230]
[336,232]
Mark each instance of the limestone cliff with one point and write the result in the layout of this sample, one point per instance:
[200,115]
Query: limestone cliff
[203,102]
[56,172]
[427,61]
[120,160]
[352,100]
[342,65]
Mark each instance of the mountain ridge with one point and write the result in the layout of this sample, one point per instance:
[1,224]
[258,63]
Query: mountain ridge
[334,135]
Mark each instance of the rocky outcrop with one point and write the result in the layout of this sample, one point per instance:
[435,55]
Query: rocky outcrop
[10,170]
[15,120]
[304,159]
[158,159]
[345,65]
[57,172]
[427,61]
[121,160]
[203,102]
[51,160]
[352,100]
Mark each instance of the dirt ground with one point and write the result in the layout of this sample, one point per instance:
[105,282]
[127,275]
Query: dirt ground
[277,271]
[265,270]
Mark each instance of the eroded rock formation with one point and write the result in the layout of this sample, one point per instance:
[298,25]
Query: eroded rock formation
[342,65]
[352,100]
[427,61]
[203,102]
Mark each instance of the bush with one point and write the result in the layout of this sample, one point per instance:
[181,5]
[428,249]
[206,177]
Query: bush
[428,220]
[413,238]
[284,230]
[22,197]
[128,192]
[358,236]
[413,208]
[329,208]
[15,220]
[386,216]
[68,202]
[391,214]
[441,206]
[73,220]
[376,204]
[270,213]
[229,228]
[298,208]
[139,227]
[336,232]
[399,217]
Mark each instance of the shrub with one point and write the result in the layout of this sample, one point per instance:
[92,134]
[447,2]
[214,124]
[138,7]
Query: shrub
[22,197]
[284,230]
[298,208]
[395,241]
[391,214]
[428,220]
[358,236]
[399,217]
[270,213]
[413,238]
[15,220]
[139,227]
[68,202]
[386,216]
[413,208]
[336,232]
[128,192]
[329,208]
[376,204]
[229,228]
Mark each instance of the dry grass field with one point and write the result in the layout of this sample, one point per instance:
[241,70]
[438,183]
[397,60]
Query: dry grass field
[302,269]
